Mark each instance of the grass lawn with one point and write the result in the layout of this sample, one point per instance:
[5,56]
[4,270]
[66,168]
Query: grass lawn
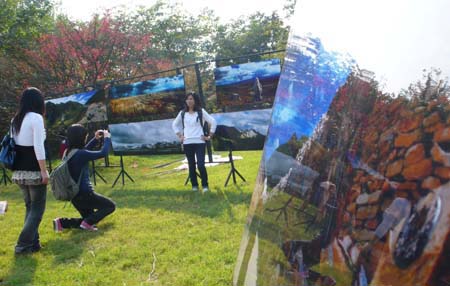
[161,233]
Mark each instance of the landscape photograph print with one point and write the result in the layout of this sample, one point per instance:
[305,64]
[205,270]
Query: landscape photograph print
[244,130]
[87,108]
[247,86]
[241,130]
[354,185]
[154,99]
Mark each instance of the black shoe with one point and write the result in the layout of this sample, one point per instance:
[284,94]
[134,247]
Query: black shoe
[28,250]
[36,247]
[23,251]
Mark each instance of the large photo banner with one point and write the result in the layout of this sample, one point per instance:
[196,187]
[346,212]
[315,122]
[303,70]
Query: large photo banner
[241,130]
[87,108]
[354,185]
[77,108]
[247,86]
[244,130]
[140,116]
[154,99]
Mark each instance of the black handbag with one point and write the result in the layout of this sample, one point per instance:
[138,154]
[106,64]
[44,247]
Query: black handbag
[8,152]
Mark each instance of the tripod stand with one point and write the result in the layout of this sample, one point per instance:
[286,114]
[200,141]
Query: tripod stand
[188,178]
[122,173]
[94,173]
[5,178]
[233,170]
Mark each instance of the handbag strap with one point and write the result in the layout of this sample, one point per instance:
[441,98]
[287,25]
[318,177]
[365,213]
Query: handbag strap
[11,129]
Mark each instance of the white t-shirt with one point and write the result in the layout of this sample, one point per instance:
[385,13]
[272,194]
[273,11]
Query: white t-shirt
[193,130]
[32,133]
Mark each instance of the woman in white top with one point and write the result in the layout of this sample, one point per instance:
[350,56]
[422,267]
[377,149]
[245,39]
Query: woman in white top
[188,127]
[30,171]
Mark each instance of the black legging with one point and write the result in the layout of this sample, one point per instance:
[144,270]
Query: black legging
[93,208]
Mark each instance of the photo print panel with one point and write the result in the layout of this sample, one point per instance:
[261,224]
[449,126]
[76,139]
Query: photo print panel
[148,137]
[354,185]
[154,99]
[241,130]
[87,108]
[247,86]
[68,110]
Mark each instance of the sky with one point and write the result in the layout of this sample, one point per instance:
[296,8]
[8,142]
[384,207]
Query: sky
[395,39]
[226,10]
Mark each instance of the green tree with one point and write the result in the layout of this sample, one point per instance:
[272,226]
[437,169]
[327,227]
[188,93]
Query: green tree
[254,34]
[177,35]
[22,21]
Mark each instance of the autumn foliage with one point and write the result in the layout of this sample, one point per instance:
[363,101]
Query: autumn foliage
[84,54]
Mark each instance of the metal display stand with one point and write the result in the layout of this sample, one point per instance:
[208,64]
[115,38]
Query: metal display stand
[233,170]
[188,178]
[5,178]
[122,173]
[94,174]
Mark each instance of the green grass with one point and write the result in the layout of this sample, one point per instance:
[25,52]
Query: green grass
[161,232]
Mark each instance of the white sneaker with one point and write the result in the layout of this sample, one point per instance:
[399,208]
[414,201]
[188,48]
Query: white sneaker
[195,189]
[205,189]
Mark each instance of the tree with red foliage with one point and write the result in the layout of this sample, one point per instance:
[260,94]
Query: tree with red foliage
[85,54]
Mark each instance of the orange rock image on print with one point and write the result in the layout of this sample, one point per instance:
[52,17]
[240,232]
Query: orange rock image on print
[354,184]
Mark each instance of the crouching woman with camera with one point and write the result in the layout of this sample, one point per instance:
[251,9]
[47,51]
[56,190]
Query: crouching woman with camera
[92,207]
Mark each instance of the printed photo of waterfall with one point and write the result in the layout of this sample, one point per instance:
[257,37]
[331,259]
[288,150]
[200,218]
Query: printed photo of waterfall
[154,99]
[354,186]
[243,130]
[247,86]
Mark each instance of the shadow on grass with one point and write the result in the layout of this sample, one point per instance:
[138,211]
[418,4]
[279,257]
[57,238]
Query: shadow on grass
[22,272]
[69,248]
[62,249]
[210,204]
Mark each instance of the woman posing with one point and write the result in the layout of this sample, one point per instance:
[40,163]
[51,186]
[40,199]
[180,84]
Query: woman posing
[188,127]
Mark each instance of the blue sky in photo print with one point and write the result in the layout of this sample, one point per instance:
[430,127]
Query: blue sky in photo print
[81,98]
[163,84]
[234,74]
[309,81]
[132,136]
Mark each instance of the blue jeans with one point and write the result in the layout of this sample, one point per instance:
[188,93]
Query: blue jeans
[34,198]
[192,151]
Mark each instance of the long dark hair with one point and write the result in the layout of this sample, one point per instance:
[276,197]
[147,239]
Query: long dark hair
[76,137]
[198,103]
[32,100]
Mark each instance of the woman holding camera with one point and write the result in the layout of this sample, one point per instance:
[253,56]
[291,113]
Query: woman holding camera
[92,207]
